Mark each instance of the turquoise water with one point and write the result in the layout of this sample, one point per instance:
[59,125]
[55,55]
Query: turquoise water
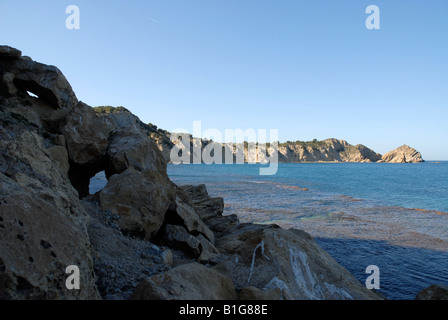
[421,185]
[361,213]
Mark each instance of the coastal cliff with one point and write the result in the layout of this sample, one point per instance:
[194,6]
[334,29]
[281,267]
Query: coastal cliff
[142,236]
[329,150]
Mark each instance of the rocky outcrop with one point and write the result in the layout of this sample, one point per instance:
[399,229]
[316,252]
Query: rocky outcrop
[330,150]
[403,154]
[140,237]
[187,282]
[285,264]
[42,222]
[140,198]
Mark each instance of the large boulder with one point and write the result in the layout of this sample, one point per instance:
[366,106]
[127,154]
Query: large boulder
[86,136]
[129,147]
[403,154]
[37,244]
[140,198]
[187,282]
[285,264]
[22,74]
[42,222]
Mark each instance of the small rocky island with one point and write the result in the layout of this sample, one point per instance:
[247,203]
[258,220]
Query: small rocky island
[142,236]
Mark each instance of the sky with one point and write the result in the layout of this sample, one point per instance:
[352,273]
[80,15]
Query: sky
[310,69]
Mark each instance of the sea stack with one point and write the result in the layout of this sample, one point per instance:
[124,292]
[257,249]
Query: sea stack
[403,154]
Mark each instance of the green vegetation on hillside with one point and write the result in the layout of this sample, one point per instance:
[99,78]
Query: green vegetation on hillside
[313,144]
[110,109]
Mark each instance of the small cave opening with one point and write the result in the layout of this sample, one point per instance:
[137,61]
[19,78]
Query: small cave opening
[88,179]
[33,89]
[32,95]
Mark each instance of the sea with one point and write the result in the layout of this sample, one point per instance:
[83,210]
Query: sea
[393,216]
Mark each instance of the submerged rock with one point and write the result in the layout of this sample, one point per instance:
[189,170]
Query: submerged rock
[433,292]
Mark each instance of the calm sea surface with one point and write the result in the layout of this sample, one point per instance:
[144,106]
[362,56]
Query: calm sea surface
[394,216]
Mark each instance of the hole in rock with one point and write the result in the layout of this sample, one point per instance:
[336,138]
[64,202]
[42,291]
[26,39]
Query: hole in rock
[88,179]
[33,89]
[32,95]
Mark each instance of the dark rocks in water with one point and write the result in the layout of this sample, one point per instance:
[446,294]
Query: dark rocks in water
[142,235]
[433,292]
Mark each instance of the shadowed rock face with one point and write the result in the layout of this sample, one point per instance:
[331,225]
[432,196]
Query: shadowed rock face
[141,225]
[433,292]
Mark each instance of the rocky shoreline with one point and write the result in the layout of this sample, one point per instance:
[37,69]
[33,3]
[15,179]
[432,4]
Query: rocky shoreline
[142,236]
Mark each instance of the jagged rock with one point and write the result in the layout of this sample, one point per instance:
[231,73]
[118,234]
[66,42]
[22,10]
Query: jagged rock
[131,148]
[42,222]
[270,258]
[209,253]
[86,139]
[37,244]
[140,198]
[403,154]
[9,52]
[183,214]
[433,292]
[86,135]
[204,205]
[186,282]
[124,118]
[178,238]
[120,261]
[46,82]
[60,156]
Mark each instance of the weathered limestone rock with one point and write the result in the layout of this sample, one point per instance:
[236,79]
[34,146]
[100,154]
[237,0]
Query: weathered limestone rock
[131,148]
[37,244]
[182,214]
[186,282]
[140,198]
[86,135]
[9,52]
[178,238]
[46,82]
[42,222]
[290,261]
[403,154]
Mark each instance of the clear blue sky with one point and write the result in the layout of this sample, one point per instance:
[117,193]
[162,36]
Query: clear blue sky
[308,68]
